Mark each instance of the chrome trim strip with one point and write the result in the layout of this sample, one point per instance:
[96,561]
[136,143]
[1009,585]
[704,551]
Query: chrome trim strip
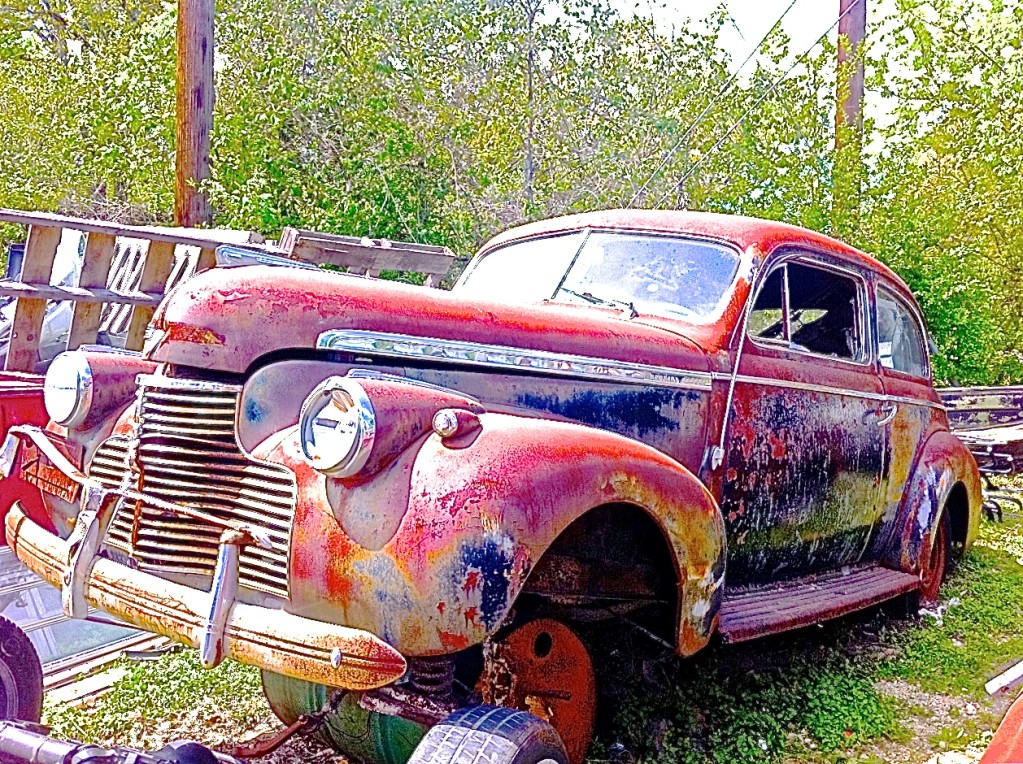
[509,358]
[504,357]
[183,383]
[810,387]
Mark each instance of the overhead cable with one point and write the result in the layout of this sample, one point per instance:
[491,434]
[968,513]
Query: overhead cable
[756,104]
[714,101]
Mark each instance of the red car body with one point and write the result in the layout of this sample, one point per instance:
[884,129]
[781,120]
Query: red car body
[777,430]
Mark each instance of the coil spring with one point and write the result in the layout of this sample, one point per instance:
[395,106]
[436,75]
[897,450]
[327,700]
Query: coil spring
[433,677]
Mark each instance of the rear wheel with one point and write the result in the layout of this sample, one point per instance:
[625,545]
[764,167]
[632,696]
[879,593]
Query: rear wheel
[21,675]
[935,563]
[490,735]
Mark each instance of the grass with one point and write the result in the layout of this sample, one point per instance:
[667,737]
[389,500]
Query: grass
[884,685]
[171,694]
[881,685]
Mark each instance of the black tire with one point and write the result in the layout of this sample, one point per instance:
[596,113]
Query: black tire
[21,675]
[490,735]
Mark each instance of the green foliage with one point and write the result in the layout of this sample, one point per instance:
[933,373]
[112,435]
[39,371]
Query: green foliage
[944,206]
[978,634]
[715,713]
[174,688]
[444,122]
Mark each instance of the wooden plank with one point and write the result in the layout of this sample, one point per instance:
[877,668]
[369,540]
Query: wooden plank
[155,272]
[23,348]
[365,255]
[207,259]
[78,295]
[373,259]
[99,254]
[198,237]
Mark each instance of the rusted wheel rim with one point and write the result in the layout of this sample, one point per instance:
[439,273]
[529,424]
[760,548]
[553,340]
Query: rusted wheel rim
[542,667]
[934,568]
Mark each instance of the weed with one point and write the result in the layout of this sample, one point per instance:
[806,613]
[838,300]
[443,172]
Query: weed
[973,638]
[172,689]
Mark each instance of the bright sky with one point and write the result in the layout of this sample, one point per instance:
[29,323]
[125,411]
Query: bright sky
[804,23]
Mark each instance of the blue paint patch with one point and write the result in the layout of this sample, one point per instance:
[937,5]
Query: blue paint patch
[253,411]
[391,593]
[642,411]
[494,564]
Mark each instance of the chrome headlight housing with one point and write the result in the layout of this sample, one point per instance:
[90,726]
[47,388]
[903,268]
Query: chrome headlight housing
[337,427]
[68,388]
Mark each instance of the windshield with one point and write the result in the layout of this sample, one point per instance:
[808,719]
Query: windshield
[648,273]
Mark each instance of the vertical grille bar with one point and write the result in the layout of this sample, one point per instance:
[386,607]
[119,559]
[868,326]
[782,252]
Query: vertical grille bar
[187,453]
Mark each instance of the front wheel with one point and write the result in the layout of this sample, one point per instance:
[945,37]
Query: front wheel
[490,735]
[21,675]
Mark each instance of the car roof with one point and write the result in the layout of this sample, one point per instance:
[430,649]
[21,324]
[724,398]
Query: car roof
[744,232]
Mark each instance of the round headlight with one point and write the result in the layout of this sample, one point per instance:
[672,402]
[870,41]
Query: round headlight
[337,427]
[68,388]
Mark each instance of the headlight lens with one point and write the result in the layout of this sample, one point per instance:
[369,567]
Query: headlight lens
[337,427]
[68,389]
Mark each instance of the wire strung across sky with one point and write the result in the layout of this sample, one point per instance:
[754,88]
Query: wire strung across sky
[756,104]
[714,101]
[720,94]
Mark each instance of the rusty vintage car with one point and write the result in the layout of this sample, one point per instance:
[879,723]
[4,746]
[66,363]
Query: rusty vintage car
[704,423]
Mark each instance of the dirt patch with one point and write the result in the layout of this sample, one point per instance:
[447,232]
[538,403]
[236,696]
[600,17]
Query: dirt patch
[958,727]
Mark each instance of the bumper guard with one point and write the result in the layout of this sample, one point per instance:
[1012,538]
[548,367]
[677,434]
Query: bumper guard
[325,653]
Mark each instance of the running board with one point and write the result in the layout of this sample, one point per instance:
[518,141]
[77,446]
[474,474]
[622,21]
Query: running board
[757,612]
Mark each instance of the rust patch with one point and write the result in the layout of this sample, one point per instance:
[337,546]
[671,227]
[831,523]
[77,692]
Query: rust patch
[193,334]
[544,668]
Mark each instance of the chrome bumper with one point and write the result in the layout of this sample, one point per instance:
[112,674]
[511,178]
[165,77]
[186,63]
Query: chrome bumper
[325,653]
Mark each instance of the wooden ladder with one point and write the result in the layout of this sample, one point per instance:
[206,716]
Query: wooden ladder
[126,270]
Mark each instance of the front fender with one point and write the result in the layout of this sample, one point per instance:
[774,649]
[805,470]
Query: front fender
[943,463]
[431,553]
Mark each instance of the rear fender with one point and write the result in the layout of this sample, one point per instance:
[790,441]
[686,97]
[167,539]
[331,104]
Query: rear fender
[944,462]
[432,552]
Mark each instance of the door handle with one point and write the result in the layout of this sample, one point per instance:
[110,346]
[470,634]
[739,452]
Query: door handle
[887,413]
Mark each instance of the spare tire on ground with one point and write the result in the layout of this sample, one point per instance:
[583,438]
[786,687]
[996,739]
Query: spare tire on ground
[21,675]
[490,735]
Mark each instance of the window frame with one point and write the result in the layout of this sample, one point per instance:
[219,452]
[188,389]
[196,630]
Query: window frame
[868,341]
[913,310]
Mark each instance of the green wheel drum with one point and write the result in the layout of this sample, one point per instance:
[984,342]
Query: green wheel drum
[372,737]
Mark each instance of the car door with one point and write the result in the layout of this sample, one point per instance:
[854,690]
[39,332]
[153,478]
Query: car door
[916,407]
[805,441]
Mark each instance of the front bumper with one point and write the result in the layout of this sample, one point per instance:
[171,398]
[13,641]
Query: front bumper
[271,639]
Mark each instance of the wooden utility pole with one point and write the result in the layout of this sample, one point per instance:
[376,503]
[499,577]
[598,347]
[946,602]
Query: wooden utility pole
[195,111]
[852,29]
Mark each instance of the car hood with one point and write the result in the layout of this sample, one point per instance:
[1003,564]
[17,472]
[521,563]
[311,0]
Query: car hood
[227,318]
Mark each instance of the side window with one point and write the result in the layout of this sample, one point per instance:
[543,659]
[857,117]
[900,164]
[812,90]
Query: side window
[825,312]
[899,336]
[767,319]
[811,309]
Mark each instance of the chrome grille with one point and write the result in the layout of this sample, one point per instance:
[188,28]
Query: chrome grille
[188,454]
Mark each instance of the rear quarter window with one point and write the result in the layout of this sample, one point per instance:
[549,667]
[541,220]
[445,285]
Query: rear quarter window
[900,338]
